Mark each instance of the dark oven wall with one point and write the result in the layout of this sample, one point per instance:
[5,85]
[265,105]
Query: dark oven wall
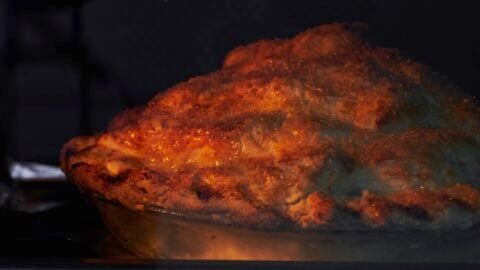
[68,66]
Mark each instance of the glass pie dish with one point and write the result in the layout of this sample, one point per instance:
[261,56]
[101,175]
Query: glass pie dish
[157,234]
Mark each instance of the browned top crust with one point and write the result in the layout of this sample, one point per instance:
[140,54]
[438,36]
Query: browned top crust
[295,131]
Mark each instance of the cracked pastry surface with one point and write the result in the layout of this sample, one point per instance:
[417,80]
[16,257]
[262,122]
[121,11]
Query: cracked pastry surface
[298,132]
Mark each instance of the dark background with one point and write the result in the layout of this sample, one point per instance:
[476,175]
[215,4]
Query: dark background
[66,67]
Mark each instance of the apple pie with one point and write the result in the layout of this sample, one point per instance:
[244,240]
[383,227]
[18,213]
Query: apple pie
[303,132]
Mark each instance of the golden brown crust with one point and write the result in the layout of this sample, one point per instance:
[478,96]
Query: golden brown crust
[291,132]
